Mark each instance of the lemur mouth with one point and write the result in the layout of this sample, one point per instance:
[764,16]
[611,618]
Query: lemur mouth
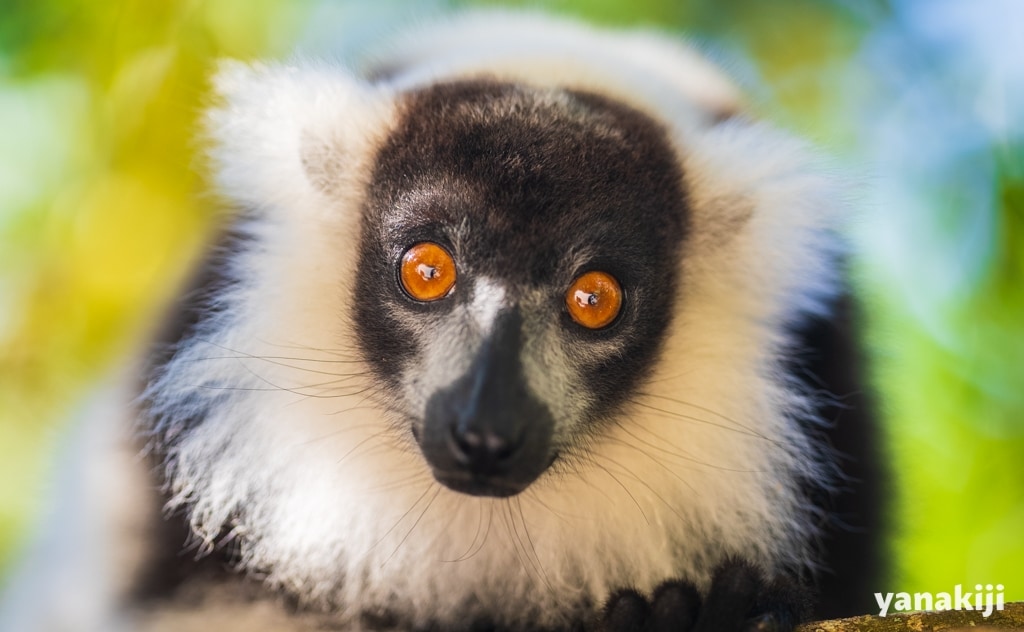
[479,486]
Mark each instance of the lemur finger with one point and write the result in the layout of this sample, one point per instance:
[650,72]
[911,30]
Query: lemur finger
[625,611]
[674,607]
[731,599]
[781,606]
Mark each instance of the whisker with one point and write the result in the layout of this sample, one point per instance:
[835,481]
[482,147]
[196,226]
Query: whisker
[472,544]
[625,489]
[402,517]
[628,472]
[328,384]
[676,415]
[338,392]
[295,391]
[530,498]
[705,409]
[335,433]
[487,532]
[684,456]
[672,377]
[437,490]
[533,547]
[656,462]
[418,477]
[514,536]
[334,352]
[248,356]
[357,446]
[353,409]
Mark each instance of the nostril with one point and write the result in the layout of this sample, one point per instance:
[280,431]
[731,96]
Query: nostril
[480,449]
[501,447]
[466,444]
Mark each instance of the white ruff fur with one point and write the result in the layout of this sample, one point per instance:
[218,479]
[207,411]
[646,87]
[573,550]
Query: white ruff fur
[335,504]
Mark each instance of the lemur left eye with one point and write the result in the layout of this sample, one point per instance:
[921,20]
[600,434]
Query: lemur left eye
[594,299]
[427,272]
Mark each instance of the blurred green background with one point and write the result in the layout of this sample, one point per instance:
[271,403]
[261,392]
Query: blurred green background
[102,207]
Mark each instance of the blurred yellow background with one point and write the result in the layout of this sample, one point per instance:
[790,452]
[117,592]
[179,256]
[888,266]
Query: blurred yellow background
[103,205]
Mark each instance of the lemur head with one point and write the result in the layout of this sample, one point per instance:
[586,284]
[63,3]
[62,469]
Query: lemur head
[517,271]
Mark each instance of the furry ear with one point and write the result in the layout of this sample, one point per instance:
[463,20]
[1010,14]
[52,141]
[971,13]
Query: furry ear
[283,134]
[766,212]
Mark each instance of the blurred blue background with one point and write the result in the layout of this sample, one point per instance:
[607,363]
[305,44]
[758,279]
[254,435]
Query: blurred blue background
[102,208]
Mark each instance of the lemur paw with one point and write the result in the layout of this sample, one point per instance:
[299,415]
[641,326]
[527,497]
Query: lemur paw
[741,599]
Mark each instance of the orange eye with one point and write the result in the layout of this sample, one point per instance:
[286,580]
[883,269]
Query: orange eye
[594,299]
[428,272]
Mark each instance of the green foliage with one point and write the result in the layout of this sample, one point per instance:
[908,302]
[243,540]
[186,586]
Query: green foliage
[101,205]
[956,407]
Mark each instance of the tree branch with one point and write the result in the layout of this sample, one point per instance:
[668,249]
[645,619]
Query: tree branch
[1012,618]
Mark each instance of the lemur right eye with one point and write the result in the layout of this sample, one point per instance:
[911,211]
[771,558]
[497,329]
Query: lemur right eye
[427,272]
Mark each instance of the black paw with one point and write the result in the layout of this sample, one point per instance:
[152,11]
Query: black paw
[740,599]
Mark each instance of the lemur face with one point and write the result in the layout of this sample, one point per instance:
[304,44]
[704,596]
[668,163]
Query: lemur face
[517,272]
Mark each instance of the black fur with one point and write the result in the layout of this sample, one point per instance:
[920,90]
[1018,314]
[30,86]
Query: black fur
[830,362]
[199,304]
[173,563]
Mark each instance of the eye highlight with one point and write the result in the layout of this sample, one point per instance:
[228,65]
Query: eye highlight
[594,299]
[427,272]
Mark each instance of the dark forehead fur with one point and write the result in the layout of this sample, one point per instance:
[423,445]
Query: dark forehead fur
[544,170]
[531,187]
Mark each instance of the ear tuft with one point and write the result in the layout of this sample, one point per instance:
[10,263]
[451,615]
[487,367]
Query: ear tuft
[282,133]
[767,213]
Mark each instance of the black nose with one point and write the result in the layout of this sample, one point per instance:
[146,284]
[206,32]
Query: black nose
[482,451]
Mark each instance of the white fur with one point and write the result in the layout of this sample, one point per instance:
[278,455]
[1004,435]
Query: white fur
[488,299]
[642,68]
[301,462]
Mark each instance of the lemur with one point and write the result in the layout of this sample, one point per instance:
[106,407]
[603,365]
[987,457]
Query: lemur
[516,324]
